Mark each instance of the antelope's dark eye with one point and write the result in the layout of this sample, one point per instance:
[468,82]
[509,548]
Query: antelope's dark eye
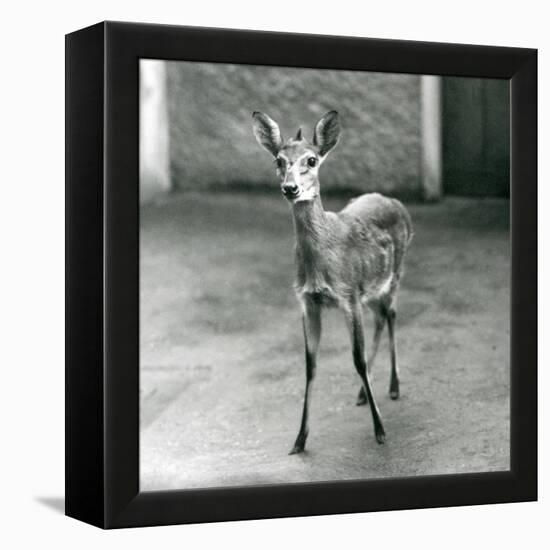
[280,162]
[312,162]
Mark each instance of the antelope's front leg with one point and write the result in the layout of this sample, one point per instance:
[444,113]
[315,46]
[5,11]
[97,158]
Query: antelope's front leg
[312,333]
[354,319]
[379,321]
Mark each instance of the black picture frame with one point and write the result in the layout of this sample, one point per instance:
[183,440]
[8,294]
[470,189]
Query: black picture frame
[102,274]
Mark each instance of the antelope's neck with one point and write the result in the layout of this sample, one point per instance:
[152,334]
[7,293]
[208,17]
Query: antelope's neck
[309,223]
[312,235]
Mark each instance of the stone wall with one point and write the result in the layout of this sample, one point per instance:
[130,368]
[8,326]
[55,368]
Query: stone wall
[210,125]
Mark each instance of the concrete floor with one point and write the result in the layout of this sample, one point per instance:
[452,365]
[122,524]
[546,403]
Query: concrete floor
[222,368]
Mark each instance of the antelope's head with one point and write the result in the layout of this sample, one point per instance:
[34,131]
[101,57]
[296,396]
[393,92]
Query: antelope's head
[297,161]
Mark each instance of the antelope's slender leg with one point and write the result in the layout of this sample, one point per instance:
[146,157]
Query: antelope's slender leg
[312,333]
[354,318]
[394,380]
[379,322]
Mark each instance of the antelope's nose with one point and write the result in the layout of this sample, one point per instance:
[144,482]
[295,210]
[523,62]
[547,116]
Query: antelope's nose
[290,189]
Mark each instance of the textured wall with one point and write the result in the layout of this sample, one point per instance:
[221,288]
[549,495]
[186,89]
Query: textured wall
[211,138]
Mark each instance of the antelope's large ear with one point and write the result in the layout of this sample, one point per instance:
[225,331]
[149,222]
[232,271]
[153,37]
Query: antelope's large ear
[326,133]
[267,132]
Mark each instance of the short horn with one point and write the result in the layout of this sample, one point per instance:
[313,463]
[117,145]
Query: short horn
[299,135]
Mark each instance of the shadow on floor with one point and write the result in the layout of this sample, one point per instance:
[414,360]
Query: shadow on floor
[57,504]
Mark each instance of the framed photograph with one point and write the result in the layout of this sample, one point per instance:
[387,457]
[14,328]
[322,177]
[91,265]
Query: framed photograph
[301,275]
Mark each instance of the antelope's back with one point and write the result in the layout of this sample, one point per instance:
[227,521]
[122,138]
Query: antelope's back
[386,214]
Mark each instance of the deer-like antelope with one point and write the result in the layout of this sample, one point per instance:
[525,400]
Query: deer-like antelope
[343,259]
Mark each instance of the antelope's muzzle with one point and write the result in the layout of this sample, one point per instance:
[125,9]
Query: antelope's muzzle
[290,190]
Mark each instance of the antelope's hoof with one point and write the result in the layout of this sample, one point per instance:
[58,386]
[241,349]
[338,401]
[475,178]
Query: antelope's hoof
[297,449]
[361,398]
[394,389]
[380,435]
[299,445]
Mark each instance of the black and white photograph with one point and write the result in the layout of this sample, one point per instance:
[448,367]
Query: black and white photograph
[324,275]
[274,275]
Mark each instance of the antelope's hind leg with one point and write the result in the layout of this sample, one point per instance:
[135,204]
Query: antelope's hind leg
[394,379]
[312,334]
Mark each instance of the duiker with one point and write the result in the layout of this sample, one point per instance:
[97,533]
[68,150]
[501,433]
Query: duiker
[343,259]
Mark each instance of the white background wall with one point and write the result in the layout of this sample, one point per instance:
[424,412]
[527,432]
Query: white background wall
[32,226]
[154,147]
